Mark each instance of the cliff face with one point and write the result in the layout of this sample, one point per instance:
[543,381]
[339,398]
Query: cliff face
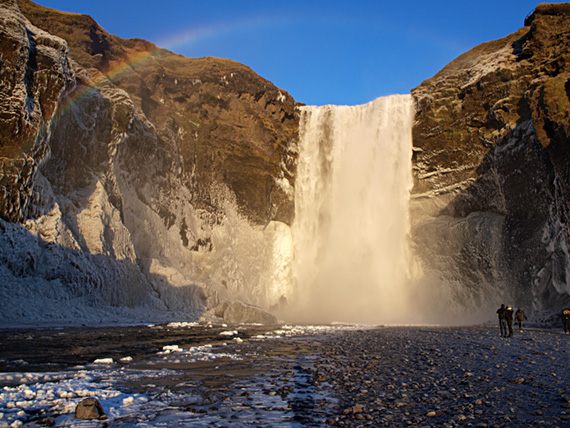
[132,176]
[226,124]
[136,179]
[491,168]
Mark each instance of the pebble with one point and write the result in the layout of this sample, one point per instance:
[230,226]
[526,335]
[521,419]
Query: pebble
[477,378]
[393,377]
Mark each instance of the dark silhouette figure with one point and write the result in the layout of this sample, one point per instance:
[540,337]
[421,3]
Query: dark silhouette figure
[502,313]
[566,320]
[509,312]
[520,318]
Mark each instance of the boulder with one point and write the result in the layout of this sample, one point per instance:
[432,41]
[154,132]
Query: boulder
[242,313]
[90,408]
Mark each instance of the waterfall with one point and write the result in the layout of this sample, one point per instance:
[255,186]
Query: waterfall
[351,222]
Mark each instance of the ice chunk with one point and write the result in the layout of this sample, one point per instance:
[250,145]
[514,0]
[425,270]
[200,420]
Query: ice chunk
[103,361]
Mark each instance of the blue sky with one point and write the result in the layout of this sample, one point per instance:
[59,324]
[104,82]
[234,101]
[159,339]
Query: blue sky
[321,52]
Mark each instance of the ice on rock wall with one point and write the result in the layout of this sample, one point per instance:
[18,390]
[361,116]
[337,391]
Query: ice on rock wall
[112,234]
[109,220]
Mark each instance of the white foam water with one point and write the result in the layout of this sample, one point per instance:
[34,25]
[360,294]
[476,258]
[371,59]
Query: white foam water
[351,224]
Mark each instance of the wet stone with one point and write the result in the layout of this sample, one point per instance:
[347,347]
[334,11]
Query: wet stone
[46,422]
[376,377]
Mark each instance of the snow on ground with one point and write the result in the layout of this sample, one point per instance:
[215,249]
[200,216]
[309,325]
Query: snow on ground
[25,396]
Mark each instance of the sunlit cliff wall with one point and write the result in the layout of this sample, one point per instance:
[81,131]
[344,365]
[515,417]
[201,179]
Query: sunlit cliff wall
[491,169]
[134,176]
[134,181]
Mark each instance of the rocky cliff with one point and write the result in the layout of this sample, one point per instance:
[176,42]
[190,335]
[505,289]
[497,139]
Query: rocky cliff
[491,167]
[134,181]
[227,124]
[132,176]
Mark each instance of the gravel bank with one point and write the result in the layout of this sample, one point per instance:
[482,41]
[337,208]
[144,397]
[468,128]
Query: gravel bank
[457,376]
[288,377]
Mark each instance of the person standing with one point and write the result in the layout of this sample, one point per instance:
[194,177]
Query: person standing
[502,313]
[566,320]
[520,318]
[509,313]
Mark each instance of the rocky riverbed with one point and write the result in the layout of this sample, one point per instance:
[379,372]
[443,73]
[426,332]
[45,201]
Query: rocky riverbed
[289,376]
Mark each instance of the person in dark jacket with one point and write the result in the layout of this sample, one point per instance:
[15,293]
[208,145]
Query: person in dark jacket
[566,320]
[502,313]
[509,312]
[520,318]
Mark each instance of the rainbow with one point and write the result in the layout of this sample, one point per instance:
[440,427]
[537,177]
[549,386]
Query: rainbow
[172,43]
[192,36]
[71,98]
